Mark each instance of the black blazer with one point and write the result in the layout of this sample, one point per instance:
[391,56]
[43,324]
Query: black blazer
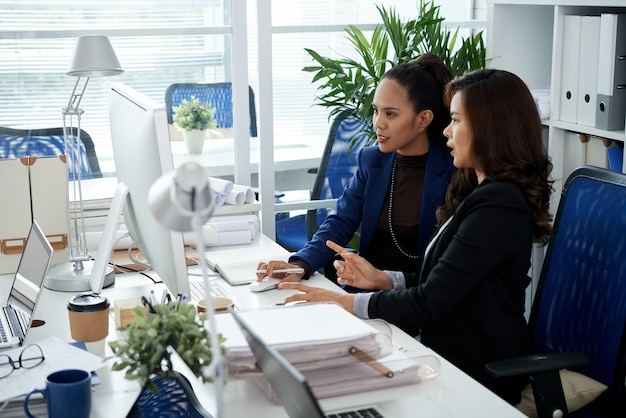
[470,304]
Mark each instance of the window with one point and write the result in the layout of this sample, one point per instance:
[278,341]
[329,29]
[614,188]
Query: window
[156,42]
[159,43]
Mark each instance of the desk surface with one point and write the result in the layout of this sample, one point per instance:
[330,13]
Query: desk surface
[453,390]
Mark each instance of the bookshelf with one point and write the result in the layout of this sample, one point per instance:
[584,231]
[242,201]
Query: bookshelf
[528,38]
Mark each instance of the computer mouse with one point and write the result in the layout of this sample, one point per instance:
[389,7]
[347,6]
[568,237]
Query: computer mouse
[266,283]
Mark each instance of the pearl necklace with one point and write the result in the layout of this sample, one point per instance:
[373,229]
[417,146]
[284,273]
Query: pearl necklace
[393,235]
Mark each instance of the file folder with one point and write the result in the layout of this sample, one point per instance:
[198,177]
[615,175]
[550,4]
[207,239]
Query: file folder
[570,66]
[588,70]
[611,102]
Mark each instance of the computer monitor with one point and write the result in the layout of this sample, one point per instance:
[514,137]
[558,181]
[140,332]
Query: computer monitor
[142,154]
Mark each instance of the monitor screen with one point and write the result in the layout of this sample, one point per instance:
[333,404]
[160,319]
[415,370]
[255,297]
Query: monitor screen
[142,154]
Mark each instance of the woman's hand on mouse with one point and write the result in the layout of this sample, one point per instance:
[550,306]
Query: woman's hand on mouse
[269,268]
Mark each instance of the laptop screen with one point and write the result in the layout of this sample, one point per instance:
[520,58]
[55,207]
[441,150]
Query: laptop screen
[31,271]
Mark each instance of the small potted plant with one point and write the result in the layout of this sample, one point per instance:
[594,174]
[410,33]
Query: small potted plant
[143,352]
[194,118]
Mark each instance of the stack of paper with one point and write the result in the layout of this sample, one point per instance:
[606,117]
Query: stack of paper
[361,376]
[226,230]
[336,351]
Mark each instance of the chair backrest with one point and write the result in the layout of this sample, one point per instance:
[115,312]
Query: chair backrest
[337,166]
[219,95]
[580,303]
[17,143]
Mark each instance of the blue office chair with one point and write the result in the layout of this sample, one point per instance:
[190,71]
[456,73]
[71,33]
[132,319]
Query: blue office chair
[219,95]
[578,315]
[17,143]
[337,166]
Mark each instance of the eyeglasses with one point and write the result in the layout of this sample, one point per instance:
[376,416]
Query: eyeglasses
[31,356]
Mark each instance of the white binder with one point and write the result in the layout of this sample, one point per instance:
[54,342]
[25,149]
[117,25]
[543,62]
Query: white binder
[16,213]
[588,70]
[569,68]
[33,188]
[48,188]
[611,102]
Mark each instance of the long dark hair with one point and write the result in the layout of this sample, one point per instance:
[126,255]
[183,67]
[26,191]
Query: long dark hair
[425,79]
[507,141]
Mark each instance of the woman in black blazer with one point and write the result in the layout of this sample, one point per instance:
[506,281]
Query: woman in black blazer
[469,305]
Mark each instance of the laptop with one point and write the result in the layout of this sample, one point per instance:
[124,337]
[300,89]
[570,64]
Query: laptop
[298,399]
[16,316]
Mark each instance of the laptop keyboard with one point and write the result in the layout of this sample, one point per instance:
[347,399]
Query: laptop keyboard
[3,332]
[357,413]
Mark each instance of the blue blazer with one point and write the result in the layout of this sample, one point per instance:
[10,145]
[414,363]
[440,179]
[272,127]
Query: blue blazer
[362,200]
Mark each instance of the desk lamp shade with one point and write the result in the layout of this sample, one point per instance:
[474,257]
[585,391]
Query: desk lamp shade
[177,197]
[93,57]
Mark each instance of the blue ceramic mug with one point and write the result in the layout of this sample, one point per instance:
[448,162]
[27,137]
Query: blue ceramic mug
[67,394]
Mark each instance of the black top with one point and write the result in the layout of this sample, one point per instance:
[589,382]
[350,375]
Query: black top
[406,210]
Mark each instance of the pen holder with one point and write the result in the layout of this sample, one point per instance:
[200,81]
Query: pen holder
[123,311]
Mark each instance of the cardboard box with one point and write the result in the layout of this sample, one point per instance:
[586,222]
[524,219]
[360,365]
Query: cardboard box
[123,310]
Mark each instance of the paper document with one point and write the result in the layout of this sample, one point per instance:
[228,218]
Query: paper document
[58,355]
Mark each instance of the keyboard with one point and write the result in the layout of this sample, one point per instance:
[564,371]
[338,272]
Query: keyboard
[196,287]
[357,413]
[11,325]
[4,337]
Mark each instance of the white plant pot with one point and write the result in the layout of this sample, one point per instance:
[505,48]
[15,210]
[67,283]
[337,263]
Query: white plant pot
[194,140]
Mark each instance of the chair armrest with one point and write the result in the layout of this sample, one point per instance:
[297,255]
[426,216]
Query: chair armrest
[545,379]
[536,363]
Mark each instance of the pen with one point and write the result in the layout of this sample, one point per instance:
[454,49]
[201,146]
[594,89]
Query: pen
[147,303]
[152,298]
[294,270]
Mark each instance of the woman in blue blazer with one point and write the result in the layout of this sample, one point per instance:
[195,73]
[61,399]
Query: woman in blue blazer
[399,183]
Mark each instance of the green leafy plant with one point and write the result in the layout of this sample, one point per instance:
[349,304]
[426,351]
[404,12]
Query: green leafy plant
[349,84]
[143,353]
[191,114]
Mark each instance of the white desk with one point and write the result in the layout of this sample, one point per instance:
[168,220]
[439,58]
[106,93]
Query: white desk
[456,392]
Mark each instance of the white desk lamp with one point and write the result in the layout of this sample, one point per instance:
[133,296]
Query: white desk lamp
[93,57]
[183,201]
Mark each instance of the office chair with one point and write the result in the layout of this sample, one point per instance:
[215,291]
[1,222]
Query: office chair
[219,95]
[578,316]
[336,168]
[16,143]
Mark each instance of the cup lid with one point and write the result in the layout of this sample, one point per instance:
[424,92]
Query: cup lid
[88,302]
